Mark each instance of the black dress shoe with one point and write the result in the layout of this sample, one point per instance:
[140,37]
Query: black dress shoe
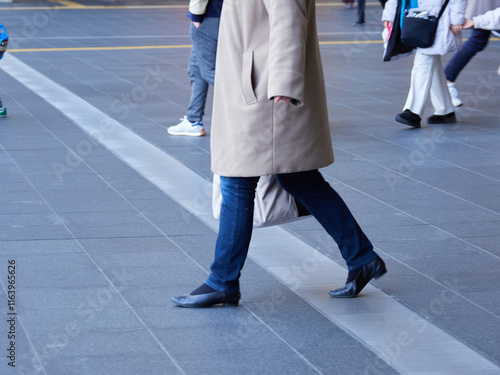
[374,269]
[407,117]
[358,23]
[208,299]
[442,119]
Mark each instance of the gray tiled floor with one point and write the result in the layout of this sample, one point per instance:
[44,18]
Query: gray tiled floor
[100,249]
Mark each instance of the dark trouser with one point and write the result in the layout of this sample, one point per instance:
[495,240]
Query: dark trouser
[361,11]
[476,43]
[236,221]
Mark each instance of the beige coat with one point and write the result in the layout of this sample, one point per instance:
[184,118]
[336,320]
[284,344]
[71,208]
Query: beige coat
[268,48]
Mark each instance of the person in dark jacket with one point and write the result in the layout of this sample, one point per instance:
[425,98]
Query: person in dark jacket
[361,13]
[4,40]
[476,43]
[205,17]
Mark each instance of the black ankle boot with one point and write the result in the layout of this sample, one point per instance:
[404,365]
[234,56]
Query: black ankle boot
[442,119]
[205,296]
[203,289]
[374,269]
[407,117]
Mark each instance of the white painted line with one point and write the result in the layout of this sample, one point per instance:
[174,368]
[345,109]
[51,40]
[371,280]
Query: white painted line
[399,336]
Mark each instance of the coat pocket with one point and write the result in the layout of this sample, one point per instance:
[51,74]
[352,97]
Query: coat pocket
[246,78]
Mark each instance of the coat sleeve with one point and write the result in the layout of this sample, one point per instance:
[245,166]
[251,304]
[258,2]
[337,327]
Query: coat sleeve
[288,22]
[198,7]
[389,10]
[395,48]
[457,11]
[488,21]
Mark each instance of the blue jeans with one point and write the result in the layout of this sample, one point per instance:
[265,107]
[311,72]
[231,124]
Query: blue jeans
[236,223]
[201,65]
[476,43]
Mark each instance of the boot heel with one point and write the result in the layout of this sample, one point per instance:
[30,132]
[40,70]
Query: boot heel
[380,273]
[231,299]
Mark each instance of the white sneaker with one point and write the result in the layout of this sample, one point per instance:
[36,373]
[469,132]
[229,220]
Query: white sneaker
[455,100]
[185,127]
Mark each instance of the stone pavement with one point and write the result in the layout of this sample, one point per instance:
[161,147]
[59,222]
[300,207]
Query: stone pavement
[104,216]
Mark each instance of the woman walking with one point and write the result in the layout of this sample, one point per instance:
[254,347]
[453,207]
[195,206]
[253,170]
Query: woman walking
[270,118]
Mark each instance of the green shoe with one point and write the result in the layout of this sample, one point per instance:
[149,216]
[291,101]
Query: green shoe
[3,112]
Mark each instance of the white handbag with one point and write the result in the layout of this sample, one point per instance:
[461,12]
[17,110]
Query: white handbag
[273,204]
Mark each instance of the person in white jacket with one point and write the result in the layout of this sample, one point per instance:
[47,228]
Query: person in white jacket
[427,76]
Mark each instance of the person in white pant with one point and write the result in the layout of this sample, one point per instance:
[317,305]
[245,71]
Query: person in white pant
[427,76]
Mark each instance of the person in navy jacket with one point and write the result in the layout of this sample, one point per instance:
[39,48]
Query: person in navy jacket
[205,17]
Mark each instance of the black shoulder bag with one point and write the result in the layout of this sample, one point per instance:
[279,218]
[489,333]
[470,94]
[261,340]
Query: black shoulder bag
[419,29]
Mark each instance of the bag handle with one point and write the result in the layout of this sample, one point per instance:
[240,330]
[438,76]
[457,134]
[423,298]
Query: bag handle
[443,8]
